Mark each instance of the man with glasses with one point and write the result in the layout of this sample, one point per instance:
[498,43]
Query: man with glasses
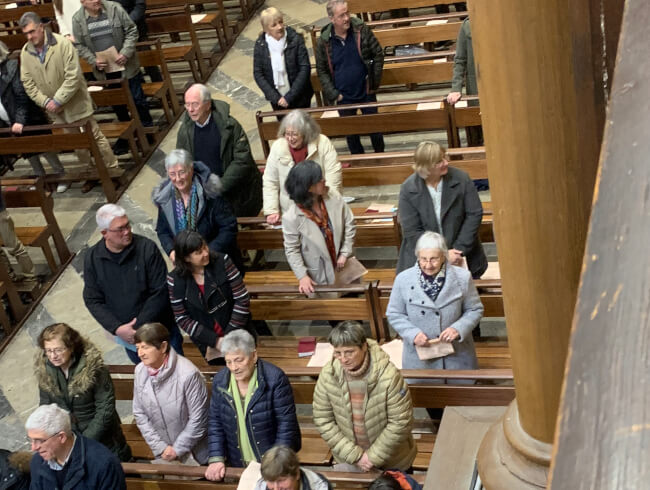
[211,135]
[63,459]
[125,282]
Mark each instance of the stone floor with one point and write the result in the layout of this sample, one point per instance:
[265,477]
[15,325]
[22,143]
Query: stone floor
[231,82]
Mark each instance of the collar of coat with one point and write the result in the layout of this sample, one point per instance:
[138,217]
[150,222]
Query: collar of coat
[291,36]
[50,40]
[379,361]
[416,187]
[326,32]
[81,376]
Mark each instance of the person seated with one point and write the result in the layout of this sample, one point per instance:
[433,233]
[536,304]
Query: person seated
[65,459]
[362,406]
[71,373]
[281,471]
[299,139]
[440,198]
[318,228]
[207,294]
[251,409]
[212,136]
[281,66]
[190,198]
[170,400]
[394,480]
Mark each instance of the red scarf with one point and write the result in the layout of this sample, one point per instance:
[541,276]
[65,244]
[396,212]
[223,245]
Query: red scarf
[324,226]
[299,154]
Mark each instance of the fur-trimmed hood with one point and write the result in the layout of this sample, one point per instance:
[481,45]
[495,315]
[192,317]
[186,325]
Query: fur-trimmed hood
[83,371]
[211,184]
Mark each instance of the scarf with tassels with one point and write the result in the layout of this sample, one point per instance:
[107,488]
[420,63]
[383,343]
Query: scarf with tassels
[431,285]
[186,217]
[325,228]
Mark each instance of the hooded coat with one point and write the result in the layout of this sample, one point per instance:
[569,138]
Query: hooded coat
[241,180]
[388,413]
[14,470]
[87,394]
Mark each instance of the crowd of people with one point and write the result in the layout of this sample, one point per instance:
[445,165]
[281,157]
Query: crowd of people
[362,405]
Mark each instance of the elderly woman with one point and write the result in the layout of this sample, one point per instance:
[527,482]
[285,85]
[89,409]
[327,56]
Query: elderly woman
[443,199]
[251,409]
[71,373]
[281,471]
[190,199]
[362,406]
[207,294]
[170,400]
[281,63]
[318,228]
[435,300]
[299,139]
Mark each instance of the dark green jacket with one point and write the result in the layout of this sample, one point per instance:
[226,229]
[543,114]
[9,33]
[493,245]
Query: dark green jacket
[241,180]
[87,394]
[464,68]
[371,52]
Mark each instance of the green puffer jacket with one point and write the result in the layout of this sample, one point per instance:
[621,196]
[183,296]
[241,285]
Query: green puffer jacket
[87,394]
[388,417]
[241,179]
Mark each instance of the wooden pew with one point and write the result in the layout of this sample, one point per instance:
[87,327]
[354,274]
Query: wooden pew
[464,117]
[365,8]
[9,17]
[150,53]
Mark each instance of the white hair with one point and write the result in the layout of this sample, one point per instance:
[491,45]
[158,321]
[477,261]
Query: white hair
[203,91]
[238,340]
[432,240]
[107,213]
[330,6]
[50,419]
[178,157]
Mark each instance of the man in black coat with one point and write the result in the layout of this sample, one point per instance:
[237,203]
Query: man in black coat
[125,282]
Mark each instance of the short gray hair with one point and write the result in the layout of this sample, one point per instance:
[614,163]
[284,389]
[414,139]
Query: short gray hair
[29,17]
[302,122]
[107,213]
[203,90]
[50,419]
[331,4]
[179,157]
[238,340]
[347,333]
[430,239]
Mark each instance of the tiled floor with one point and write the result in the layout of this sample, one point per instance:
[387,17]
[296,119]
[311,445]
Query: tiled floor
[232,82]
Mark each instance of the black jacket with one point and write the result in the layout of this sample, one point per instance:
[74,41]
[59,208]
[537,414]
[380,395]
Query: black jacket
[20,108]
[115,293]
[12,478]
[136,10]
[298,67]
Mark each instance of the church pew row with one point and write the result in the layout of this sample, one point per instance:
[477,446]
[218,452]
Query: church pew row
[340,480]
[365,8]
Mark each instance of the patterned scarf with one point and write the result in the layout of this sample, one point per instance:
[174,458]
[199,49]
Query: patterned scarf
[186,218]
[325,228]
[431,285]
[154,372]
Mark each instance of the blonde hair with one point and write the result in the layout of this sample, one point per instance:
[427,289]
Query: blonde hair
[269,15]
[427,154]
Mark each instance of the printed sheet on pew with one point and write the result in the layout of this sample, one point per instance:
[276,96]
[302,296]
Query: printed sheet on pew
[324,352]
[250,476]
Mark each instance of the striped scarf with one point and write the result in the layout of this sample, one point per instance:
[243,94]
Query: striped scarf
[325,228]
[186,218]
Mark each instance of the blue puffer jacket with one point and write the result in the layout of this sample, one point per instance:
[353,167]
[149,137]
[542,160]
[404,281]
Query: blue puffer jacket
[271,418]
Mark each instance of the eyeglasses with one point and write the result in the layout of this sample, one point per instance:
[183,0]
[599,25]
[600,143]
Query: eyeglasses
[193,105]
[432,260]
[292,134]
[121,229]
[55,352]
[40,442]
[347,354]
[179,174]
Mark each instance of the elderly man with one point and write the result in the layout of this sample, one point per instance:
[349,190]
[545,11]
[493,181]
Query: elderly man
[51,75]
[212,136]
[349,62]
[63,459]
[102,25]
[125,282]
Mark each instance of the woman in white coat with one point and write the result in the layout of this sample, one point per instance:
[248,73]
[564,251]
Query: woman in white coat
[170,399]
[318,228]
[299,139]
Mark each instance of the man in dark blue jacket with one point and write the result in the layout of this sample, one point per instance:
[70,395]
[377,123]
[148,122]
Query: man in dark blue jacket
[67,460]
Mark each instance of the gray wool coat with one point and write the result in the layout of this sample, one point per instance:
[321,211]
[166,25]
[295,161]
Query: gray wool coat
[171,408]
[410,311]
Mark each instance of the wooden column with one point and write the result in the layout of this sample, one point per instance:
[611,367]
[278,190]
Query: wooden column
[542,146]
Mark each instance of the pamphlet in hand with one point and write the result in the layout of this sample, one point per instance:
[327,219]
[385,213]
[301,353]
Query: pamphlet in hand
[109,55]
[352,271]
[435,349]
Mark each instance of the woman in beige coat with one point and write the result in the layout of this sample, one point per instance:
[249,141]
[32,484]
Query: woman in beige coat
[299,139]
[318,228]
[362,406]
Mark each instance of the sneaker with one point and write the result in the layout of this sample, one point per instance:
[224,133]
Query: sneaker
[62,187]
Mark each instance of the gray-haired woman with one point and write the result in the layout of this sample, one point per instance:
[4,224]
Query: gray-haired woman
[251,410]
[281,471]
[435,300]
[190,199]
[299,139]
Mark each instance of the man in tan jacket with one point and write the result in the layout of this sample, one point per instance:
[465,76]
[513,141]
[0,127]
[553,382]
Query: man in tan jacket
[52,77]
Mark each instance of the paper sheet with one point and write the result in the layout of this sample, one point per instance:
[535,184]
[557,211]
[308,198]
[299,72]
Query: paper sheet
[109,55]
[11,6]
[436,22]
[394,350]
[250,476]
[376,207]
[196,18]
[352,271]
[212,353]
[425,106]
[460,104]
[440,60]
[434,350]
[329,114]
[492,272]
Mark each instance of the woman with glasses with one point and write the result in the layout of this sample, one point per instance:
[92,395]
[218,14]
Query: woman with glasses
[207,294]
[299,139]
[71,373]
[318,228]
[190,199]
[435,300]
[440,198]
[362,406]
